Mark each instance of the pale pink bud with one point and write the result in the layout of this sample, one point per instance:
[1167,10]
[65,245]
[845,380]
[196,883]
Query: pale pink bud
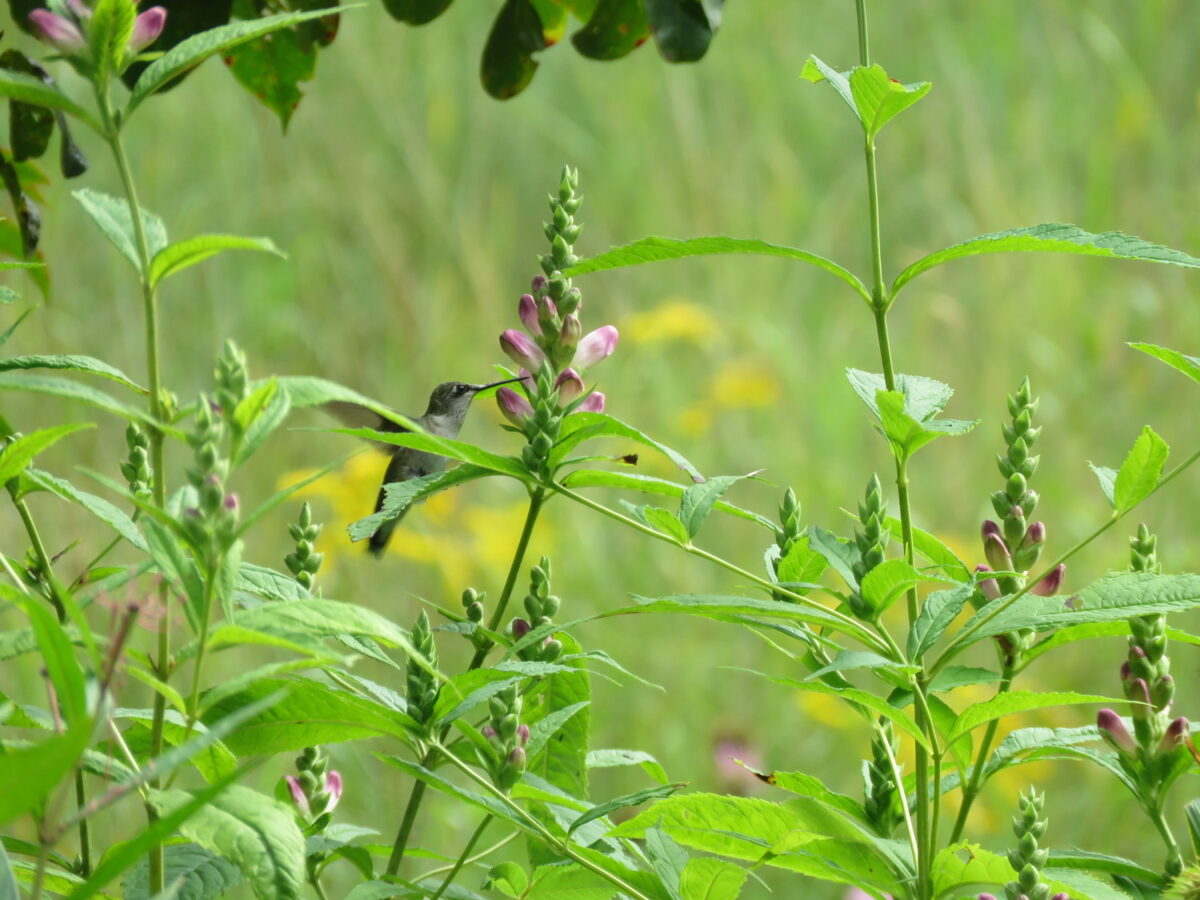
[996,552]
[570,387]
[1050,584]
[538,283]
[297,792]
[1175,734]
[231,503]
[514,406]
[987,897]
[1139,692]
[989,587]
[57,31]
[572,331]
[1114,731]
[523,733]
[594,402]
[1036,535]
[521,349]
[147,27]
[488,731]
[516,759]
[333,787]
[528,311]
[1061,895]
[520,628]
[595,346]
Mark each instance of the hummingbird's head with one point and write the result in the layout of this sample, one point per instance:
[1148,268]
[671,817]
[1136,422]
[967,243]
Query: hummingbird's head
[453,398]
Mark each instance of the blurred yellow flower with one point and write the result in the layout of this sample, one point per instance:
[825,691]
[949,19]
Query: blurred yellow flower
[743,385]
[672,320]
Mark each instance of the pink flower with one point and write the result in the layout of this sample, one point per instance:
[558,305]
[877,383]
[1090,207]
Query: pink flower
[572,331]
[67,37]
[514,406]
[1114,731]
[989,587]
[595,346]
[298,795]
[333,787]
[60,33]
[521,349]
[528,311]
[570,387]
[146,28]
[1050,584]
[594,402]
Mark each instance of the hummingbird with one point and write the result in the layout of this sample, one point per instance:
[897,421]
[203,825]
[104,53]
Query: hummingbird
[444,417]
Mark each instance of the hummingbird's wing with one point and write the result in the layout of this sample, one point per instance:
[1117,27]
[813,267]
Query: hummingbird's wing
[402,467]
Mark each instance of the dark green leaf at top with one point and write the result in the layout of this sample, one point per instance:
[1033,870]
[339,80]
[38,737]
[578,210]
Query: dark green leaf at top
[184,19]
[683,29]
[29,127]
[416,12]
[508,65]
[272,66]
[615,28]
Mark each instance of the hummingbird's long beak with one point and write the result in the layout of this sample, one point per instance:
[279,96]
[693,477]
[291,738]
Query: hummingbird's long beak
[483,387]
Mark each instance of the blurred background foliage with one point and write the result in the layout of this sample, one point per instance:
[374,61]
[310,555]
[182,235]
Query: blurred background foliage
[410,203]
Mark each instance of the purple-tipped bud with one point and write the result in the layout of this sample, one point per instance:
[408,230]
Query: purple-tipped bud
[297,792]
[231,503]
[990,528]
[1050,584]
[538,284]
[514,406]
[528,311]
[546,309]
[1175,735]
[516,759]
[1137,652]
[520,628]
[60,33]
[333,787]
[1126,672]
[997,553]
[1036,535]
[594,402]
[989,587]
[987,897]
[595,346]
[570,387]
[146,28]
[521,349]
[1061,895]
[1113,730]
[1139,692]
[523,733]
[572,331]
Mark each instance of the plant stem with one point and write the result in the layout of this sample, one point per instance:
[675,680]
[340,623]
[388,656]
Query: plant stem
[973,785]
[462,858]
[1174,862]
[197,672]
[85,846]
[150,315]
[39,550]
[316,883]
[536,499]
[482,854]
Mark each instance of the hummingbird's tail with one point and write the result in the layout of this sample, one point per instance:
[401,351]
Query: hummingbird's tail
[379,540]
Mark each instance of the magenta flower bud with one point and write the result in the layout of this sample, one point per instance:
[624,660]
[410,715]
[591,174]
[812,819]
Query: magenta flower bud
[1113,730]
[1137,652]
[520,628]
[523,733]
[538,284]
[1175,735]
[990,528]
[1050,584]
[297,792]
[546,309]
[1061,895]
[488,731]
[989,587]
[595,346]
[1126,672]
[231,502]
[987,897]
[572,331]
[1036,535]
[594,402]
[1139,692]
[570,387]
[521,349]
[516,759]
[333,787]
[527,309]
[997,553]
[60,33]
[146,28]
[514,406]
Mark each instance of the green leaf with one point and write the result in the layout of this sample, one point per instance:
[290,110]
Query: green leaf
[683,29]
[603,759]
[431,443]
[933,550]
[18,453]
[416,12]
[272,67]
[31,773]
[663,521]
[484,802]
[698,501]
[86,364]
[908,434]
[705,878]
[667,859]
[625,800]
[738,827]
[838,553]
[802,564]
[564,762]
[508,878]
[1102,862]
[815,70]
[255,832]
[73,390]
[648,484]
[1050,238]
[8,332]
[614,29]
[654,249]
[1193,820]
[508,65]
[1140,473]
[955,875]
[34,91]
[939,610]
[884,584]
[203,876]
[811,786]
[879,98]
[108,34]
[182,254]
[1108,481]
[197,48]
[262,425]
[1188,365]
[400,495]
[58,658]
[847,660]
[581,426]
[1017,701]
[543,729]
[8,882]
[106,512]
[568,883]
[113,217]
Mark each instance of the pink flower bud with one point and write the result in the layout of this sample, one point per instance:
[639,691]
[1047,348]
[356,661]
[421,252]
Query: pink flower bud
[514,406]
[989,587]
[231,503]
[146,28]
[990,528]
[594,402]
[1036,535]
[987,897]
[297,792]
[57,31]
[516,759]
[1061,895]
[528,311]
[1050,584]
[1113,730]
[1139,692]
[1126,672]
[572,331]
[523,733]
[538,284]
[1175,735]
[570,387]
[488,731]
[521,349]
[997,553]
[333,787]
[520,628]
[595,346]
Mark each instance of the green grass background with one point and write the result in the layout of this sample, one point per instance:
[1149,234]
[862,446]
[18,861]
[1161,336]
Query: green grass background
[410,205]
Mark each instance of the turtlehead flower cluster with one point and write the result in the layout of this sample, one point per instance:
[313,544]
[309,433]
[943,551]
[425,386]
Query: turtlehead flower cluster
[540,606]
[472,603]
[303,562]
[871,539]
[553,352]
[316,789]
[136,467]
[882,799]
[212,522]
[1027,859]
[72,27]
[507,736]
[421,688]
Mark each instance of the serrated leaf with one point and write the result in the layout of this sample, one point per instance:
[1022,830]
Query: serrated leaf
[106,512]
[564,762]
[581,426]
[625,800]
[113,217]
[698,501]
[1188,365]
[939,610]
[655,249]
[815,70]
[847,660]
[251,830]
[34,91]
[180,255]
[1050,238]
[706,878]
[1108,481]
[543,729]
[665,522]
[18,453]
[879,98]
[738,827]
[73,390]
[398,496]
[884,584]
[568,883]
[197,48]
[648,484]
[602,759]
[1017,701]
[202,875]
[802,564]
[263,425]
[484,802]
[666,858]
[1140,473]
[838,553]
[88,364]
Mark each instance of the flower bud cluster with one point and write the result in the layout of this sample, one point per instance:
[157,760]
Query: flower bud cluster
[882,799]
[232,385]
[540,607]
[542,425]
[302,562]
[316,789]
[787,532]
[508,737]
[1027,859]
[472,602]
[212,523]
[421,688]
[118,33]
[136,467]
[871,538]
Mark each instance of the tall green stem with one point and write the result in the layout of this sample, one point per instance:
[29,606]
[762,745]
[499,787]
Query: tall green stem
[112,132]
[975,782]
[536,499]
[462,858]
